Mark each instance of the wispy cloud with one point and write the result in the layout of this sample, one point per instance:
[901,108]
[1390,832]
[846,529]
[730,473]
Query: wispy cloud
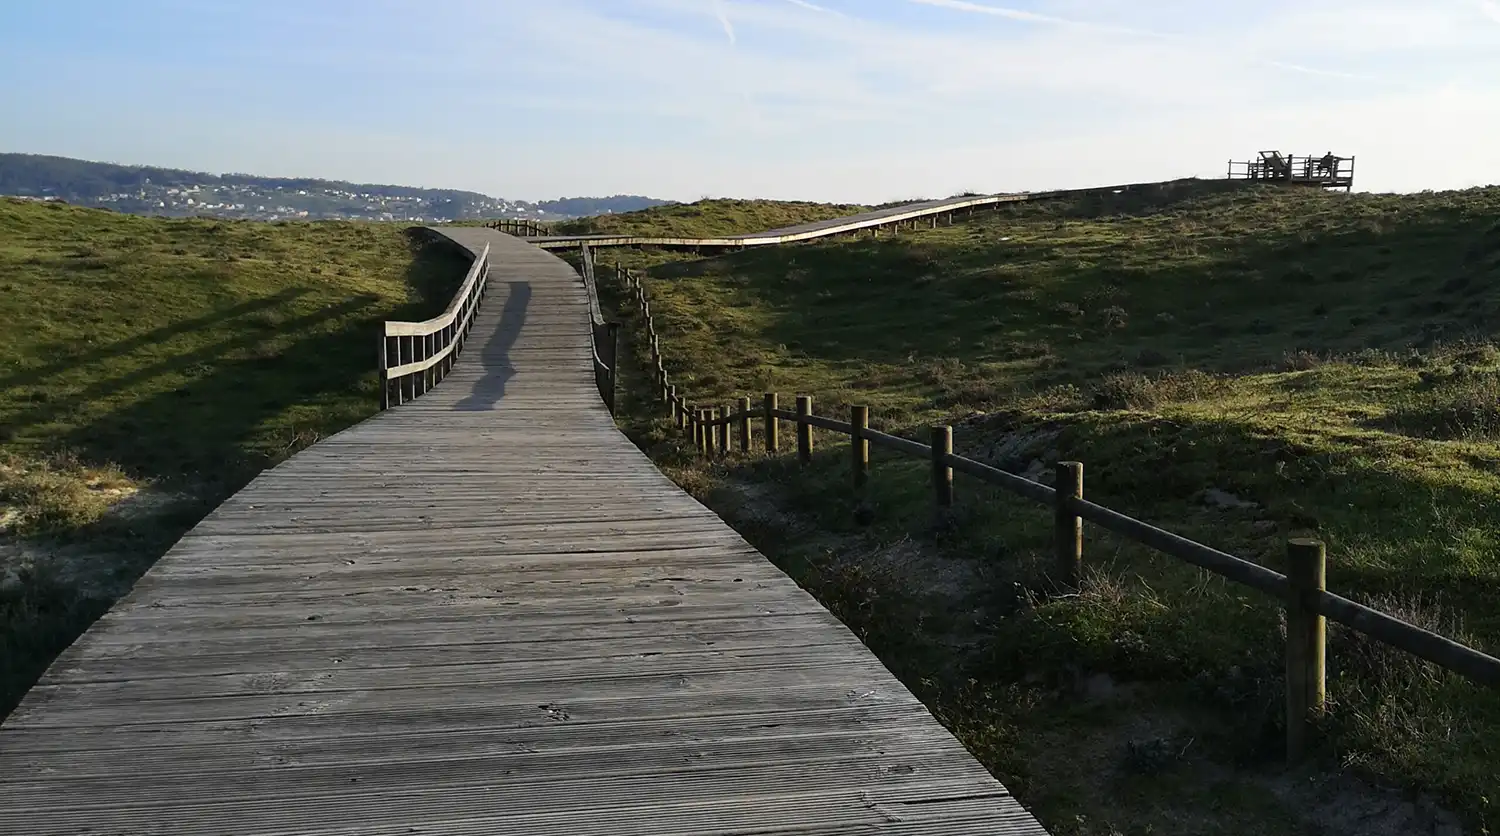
[723,14]
[1299,68]
[1183,40]
[1489,9]
[816,8]
[1030,17]
[995,11]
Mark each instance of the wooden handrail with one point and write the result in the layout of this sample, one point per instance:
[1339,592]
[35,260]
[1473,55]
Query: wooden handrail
[424,352]
[455,306]
[604,336]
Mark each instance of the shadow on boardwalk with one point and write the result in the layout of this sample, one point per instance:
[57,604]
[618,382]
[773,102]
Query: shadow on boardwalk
[488,391]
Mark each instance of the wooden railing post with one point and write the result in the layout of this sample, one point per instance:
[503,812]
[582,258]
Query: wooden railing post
[942,472]
[403,356]
[1067,526]
[744,422]
[724,431]
[859,445]
[1306,643]
[697,426]
[711,437]
[382,373]
[676,405]
[804,429]
[772,424]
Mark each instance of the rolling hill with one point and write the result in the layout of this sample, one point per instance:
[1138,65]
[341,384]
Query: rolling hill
[1237,367]
[173,192]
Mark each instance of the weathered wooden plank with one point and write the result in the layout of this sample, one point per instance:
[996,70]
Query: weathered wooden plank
[483,611]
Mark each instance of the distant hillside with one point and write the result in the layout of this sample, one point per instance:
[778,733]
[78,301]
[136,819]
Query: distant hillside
[583,207]
[148,190]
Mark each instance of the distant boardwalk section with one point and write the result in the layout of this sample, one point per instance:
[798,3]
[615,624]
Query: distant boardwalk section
[481,612]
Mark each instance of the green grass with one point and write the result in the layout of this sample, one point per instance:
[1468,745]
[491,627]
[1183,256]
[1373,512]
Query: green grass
[1324,357]
[176,358]
[707,218]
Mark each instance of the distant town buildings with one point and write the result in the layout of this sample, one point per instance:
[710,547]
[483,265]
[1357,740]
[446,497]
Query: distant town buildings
[272,204]
[147,190]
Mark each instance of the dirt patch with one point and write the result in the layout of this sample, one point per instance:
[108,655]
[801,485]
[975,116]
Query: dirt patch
[95,571]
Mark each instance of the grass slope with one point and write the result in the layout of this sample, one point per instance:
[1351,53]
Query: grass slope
[707,218]
[167,360]
[1322,359]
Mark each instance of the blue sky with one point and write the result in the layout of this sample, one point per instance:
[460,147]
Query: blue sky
[859,100]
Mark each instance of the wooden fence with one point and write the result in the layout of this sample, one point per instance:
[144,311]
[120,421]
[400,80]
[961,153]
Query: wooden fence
[1302,591]
[416,356]
[520,226]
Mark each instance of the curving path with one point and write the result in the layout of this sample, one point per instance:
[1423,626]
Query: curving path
[892,217]
[483,612]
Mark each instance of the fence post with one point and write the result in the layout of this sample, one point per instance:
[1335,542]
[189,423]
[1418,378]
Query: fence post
[1306,643]
[744,422]
[676,405]
[724,431]
[1067,526]
[773,443]
[382,367]
[695,424]
[804,429]
[942,473]
[859,445]
[712,436]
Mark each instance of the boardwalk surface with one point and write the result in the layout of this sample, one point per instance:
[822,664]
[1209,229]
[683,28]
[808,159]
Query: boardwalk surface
[484,612]
[907,212]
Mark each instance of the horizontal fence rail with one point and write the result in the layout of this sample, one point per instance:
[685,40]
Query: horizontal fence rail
[1302,592]
[416,356]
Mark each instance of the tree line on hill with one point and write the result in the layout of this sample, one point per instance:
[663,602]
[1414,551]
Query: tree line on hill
[85,181]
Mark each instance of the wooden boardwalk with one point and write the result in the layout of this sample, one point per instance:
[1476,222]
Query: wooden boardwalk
[483,612]
[912,215]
